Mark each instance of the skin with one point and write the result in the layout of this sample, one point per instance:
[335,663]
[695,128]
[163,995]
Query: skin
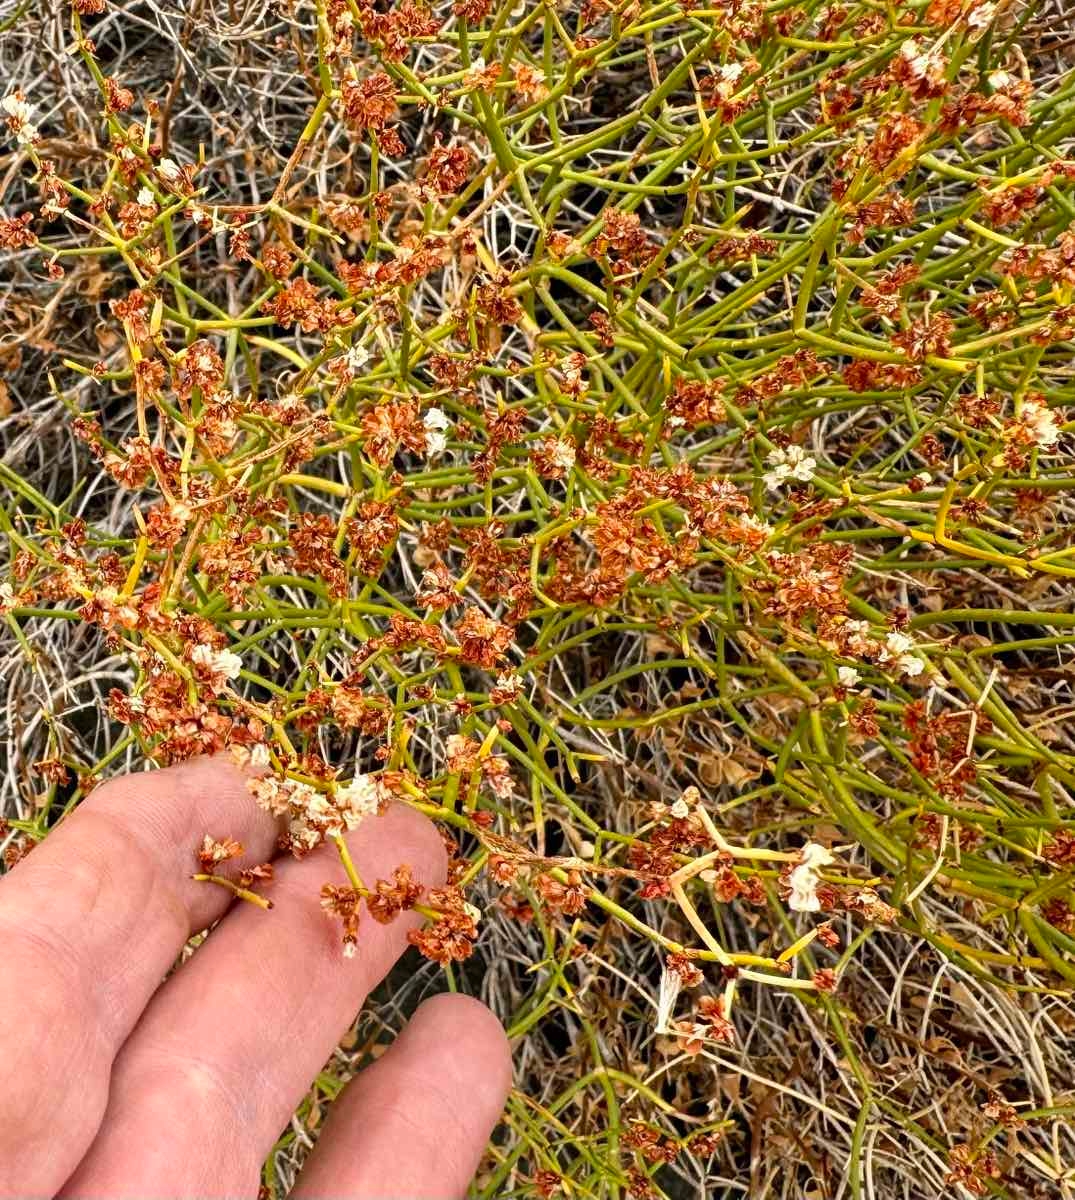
[117,1083]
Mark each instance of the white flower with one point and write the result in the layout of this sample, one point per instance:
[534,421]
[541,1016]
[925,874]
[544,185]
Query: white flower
[478,64]
[16,106]
[169,169]
[316,806]
[358,800]
[728,76]
[146,199]
[18,111]
[222,665]
[435,423]
[680,810]
[7,598]
[671,983]
[897,653]
[804,878]
[921,63]
[563,454]
[750,521]
[302,795]
[998,80]
[847,676]
[1040,421]
[912,51]
[773,479]
[981,18]
[227,663]
[256,755]
[356,358]
[790,463]
[497,776]
[508,684]
[199,215]
[897,643]
[855,638]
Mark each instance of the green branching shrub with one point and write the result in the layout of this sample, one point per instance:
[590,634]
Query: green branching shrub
[635,435]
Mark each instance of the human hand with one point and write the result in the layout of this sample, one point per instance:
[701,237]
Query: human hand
[114,1084]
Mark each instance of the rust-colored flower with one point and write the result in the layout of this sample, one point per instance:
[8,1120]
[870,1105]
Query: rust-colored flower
[483,641]
[370,103]
[391,897]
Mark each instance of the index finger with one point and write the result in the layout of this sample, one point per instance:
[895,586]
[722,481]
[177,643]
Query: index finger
[91,922]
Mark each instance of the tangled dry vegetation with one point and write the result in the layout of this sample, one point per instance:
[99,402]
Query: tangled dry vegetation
[636,434]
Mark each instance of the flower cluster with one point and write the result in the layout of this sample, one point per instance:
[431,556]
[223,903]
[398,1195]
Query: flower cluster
[315,813]
[18,113]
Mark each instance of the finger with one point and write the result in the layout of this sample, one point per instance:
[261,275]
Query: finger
[228,1047]
[416,1122]
[90,923]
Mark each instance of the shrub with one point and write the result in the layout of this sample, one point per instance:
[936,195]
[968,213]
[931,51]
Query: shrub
[636,437]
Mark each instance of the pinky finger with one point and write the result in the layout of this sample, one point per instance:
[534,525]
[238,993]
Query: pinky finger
[416,1122]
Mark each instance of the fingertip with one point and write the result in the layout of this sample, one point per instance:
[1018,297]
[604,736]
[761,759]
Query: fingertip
[439,1091]
[479,1040]
[206,794]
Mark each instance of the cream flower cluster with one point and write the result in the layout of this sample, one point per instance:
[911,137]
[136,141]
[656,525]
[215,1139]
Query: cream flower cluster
[898,653]
[19,112]
[222,665]
[788,463]
[315,815]
[1040,422]
[805,878]
[436,422]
